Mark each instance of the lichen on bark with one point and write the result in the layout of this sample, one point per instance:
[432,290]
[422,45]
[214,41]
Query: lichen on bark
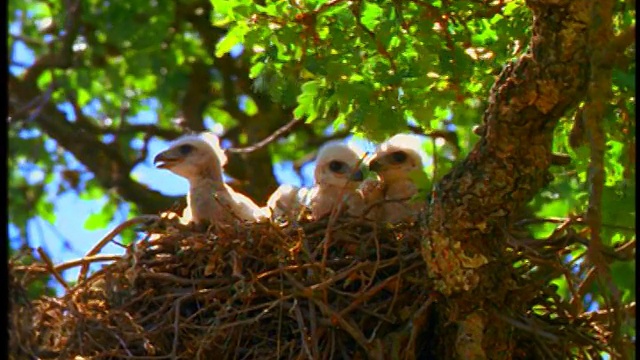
[462,242]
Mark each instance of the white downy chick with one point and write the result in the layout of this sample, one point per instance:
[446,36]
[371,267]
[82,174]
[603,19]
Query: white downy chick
[395,161]
[286,201]
[200,159]
[337,177]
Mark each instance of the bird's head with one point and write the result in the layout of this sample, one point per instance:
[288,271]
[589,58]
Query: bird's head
[194,156]
[339,164]
[397,158]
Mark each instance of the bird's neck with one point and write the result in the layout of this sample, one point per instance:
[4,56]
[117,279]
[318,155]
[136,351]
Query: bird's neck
[206,183]
[401,188]
[203,184]
[332,191]
[349,186]
[201,199]
[206,176]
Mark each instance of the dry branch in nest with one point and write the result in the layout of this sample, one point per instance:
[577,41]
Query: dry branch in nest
[341,288]
[246,292]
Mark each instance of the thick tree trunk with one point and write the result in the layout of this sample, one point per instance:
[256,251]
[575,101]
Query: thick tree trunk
[463,243]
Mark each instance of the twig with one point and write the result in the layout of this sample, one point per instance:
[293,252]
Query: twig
[265,307]
[52,269]
[313,330]
[179,280]
[302,329]
[299,267]
[122,343]
[578,220]
[283,131]
[366,295]
[337,277]
[69,264]
[526,327]
[377,263]
[450,137]
[327,5]
[583,287]
[280,313]
[355,333]
[333,217]
[601,315]
[144,152]
[176,326]
[117,230]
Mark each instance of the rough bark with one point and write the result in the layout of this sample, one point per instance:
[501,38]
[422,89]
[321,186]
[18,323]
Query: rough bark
[463,244]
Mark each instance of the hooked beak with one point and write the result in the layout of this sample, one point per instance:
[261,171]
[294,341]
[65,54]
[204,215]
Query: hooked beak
[357,175]
[165,160]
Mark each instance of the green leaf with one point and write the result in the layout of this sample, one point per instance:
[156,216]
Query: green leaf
[84,97]
[234,37]
[101,219]
[96,221]
[256,70]
[563,287]
[624,276]
[46,210]
[92,191]
[624,80]
[44,80]
[306,100]
[371,15]
[250,107]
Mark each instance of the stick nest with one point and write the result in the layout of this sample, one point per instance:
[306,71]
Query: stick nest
[249,292]
[337,288]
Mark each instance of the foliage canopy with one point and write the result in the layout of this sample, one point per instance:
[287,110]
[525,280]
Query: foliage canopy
[92,83]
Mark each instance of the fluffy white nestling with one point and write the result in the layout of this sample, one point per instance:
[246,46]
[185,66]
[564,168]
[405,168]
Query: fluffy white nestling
[286,201]
[396,161]
[337,177]
[200,159]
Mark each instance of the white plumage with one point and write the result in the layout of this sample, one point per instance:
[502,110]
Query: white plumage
[200,159]
[395,161]
[337,177]
[287,201]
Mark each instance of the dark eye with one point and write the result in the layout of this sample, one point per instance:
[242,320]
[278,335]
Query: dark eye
[185,149]
[399,156]
[336,166]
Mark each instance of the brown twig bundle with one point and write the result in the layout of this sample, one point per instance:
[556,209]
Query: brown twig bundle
[338,288]
[247,292]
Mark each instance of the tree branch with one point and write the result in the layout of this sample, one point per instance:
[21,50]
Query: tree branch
[64,57]
[108,165]
[507,167]
[598,95]
[281,132]
[197,96]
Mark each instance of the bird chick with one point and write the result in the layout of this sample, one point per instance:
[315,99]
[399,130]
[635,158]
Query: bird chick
[200,159]
[286,201]
[337,177]
[395,161]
